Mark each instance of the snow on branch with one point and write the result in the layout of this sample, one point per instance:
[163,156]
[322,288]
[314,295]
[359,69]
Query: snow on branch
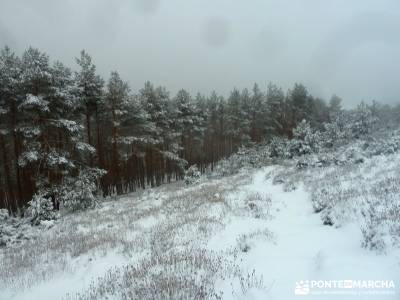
[35,101]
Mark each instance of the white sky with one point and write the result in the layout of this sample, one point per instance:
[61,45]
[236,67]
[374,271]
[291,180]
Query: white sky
[351,48]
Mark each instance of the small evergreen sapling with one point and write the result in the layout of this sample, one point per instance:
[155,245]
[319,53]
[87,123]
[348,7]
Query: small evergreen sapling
[40,208]
[192,175]
[80,192]
[306,140]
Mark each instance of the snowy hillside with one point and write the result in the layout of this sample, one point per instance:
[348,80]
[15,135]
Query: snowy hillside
[167,150]
[259,234]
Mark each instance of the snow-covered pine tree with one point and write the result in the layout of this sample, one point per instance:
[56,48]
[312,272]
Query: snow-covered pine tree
[212,111]
[79,181]
[318,112]
[35,119]
[237,121]
[298,103]
[202,111]
[90,94]
[54,153]
[258,114]
[276,123]
[10,78]
[335,107]
[363,120]
[135,134]
[116,99]
[189,124]
[338,130]
[305,139]
[163,148]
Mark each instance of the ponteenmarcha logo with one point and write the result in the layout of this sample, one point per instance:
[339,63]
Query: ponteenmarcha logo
[345,287]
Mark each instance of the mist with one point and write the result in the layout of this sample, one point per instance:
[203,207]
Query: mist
[342,47]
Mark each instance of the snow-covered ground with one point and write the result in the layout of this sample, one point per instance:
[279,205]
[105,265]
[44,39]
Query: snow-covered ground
[239,237]
[304,249]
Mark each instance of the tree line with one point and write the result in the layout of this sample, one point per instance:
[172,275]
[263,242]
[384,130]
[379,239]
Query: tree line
[62,130]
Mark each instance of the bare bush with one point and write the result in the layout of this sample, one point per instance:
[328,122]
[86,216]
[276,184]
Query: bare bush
[190,274]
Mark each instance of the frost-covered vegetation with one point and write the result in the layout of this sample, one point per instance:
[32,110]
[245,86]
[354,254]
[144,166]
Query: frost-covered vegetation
[63,129]
[248,176]
[221,237]
[160,238]
[350,167]
[347,188]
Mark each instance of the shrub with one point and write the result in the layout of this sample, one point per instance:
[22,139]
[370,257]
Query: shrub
[373,237]
[279,147]
[383,146]
[192,175]
[363,120]
[40,208]
[255,157]
[305,140]
[80,193]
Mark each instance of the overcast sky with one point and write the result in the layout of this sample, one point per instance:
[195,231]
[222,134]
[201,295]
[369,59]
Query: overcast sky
[347,47]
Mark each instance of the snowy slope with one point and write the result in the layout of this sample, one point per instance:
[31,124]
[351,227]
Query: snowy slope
[270,240]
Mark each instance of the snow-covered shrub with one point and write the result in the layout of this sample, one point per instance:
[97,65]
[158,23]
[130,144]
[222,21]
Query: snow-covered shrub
[192,175]
[383,146]
[373,235]
[317,160]
[305,140]
[337,131]
[251,282]
[80,192]
[242,243]
[246,241]
[258,205]
[362,120]
[320,198]
[190,274]
[327,216]
[40,208]
[279,148]
[353,154]
[255,157]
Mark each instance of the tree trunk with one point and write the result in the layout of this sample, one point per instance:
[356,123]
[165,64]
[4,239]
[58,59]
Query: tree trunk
[7,173]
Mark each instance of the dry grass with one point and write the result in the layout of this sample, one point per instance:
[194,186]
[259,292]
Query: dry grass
[188,274]
[168,227]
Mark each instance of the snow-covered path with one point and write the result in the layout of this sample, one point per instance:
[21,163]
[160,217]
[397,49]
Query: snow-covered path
[304,249]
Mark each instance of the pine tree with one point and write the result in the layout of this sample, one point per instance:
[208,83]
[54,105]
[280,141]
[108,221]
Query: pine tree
[214,138]
[52,135]
[276,123]
[317,112]
[90,92]
[35,121]
[335,107]
[10,79]
[162,150]
[298,103]
[363,120]
[135,135]
[259,115]
[116,100]
[238,122]
[188,124]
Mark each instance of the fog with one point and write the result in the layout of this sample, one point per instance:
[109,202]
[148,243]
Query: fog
[350,48]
